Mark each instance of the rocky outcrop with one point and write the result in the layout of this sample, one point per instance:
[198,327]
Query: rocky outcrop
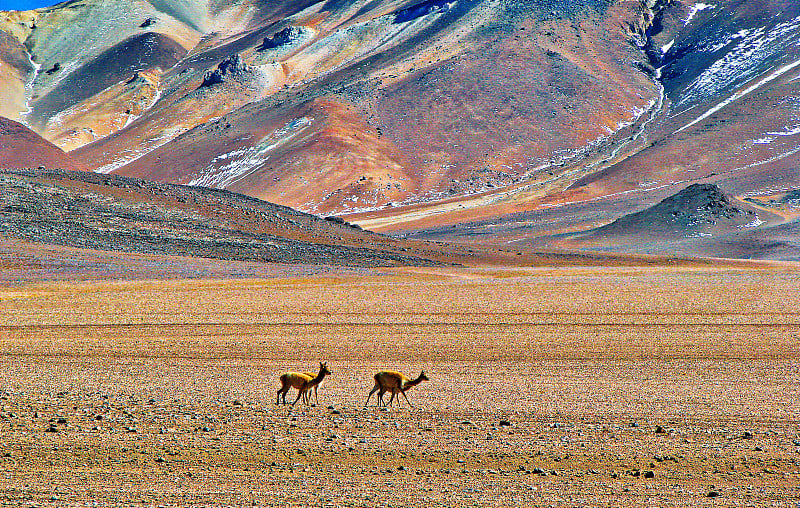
[281,38]
[232,66]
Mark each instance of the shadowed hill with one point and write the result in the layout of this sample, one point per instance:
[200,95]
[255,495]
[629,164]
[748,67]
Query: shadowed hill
[697,208]
[699,220]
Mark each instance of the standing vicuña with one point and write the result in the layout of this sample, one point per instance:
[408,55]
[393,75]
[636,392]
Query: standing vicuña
[307,397]
[395,382]
[302,382]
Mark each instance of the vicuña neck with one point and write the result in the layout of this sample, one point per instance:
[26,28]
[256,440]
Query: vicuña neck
[319,377]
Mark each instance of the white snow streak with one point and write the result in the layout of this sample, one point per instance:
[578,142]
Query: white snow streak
[29,89]
[744,56]
[695,9]
[128,156]
[229,168]
[740,94]
[756,222]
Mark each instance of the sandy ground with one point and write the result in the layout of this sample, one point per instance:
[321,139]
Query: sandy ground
[548,387]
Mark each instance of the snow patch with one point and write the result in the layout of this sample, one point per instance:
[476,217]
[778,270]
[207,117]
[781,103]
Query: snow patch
[695,9]
[229,168]
[738,95]
[666,47]
[748,54]
[128,156]
[29,89]
[788,131]
[754,224]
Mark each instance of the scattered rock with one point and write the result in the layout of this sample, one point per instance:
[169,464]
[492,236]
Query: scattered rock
[147,22]
[713,493]
[649,474]
[505,423]
[660,430]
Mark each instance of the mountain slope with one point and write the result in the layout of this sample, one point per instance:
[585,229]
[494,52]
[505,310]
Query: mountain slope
[21,147]
[424,100]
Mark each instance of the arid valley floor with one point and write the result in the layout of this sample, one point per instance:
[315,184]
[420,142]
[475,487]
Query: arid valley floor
[566,386]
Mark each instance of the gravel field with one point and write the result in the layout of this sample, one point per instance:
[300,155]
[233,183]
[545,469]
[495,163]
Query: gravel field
[548,387]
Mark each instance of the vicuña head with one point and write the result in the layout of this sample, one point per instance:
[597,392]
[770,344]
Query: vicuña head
[395,382]
[303,382]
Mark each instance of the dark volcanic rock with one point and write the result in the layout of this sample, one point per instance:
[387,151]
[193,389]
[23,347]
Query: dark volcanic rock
[55,68]
[231,66]
[281,38]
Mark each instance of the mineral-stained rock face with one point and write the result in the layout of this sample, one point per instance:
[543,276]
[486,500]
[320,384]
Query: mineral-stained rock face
[146,51]
[468,96]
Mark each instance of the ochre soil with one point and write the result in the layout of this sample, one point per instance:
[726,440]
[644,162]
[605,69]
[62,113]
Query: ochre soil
[548,387]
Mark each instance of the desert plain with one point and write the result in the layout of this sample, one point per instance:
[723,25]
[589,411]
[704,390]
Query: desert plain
[549,386]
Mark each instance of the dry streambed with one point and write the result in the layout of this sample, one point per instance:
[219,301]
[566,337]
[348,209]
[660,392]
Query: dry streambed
[544,391]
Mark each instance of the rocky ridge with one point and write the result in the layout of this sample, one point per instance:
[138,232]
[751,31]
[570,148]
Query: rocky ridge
[108,212]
